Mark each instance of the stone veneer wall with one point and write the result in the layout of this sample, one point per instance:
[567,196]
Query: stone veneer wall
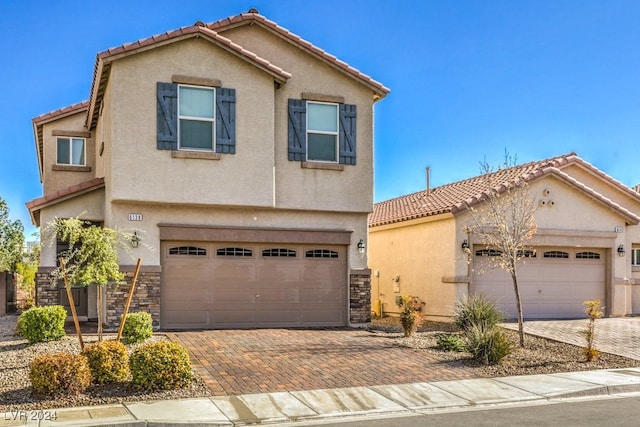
[46,289]
[146,297]
[360,296]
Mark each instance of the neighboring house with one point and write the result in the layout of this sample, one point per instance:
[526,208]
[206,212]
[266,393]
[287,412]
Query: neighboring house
[242,155]
[587,245]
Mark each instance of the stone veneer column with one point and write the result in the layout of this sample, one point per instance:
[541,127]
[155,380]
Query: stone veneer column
[360,296]
[46,289]
[146,296]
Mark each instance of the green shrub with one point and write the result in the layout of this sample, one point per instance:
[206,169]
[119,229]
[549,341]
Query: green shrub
[160,365]
[451,342]
[108,361]
[60,373]
[137,327]
[39,324]
[488,346]
[477,310]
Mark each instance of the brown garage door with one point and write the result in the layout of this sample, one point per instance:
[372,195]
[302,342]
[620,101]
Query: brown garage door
[238,285]
[553,282]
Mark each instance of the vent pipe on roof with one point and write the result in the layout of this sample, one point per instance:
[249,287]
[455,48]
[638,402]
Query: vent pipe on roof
[428,171]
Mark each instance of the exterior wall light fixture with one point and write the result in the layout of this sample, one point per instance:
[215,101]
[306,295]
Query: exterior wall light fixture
[135,240]
[465,245]
[361,247]
[621,250]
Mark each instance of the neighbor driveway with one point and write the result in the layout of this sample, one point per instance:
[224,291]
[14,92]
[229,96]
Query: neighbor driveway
[234,362]
[616,335]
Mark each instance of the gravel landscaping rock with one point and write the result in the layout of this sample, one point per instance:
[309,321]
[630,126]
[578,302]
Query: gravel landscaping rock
[15,388]
[539,356]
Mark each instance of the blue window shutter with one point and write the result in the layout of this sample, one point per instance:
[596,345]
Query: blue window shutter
[297,129]
[347,134]
[225,120]
[167,94]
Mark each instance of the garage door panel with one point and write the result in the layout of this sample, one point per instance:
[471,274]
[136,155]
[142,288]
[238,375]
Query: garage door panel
[193,318]
[274,287]
[549,287]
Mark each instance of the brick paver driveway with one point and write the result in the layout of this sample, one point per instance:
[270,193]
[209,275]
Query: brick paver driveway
[268,360]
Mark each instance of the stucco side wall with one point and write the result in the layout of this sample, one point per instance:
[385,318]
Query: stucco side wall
[88,206]
[348,190]
[230,217]
[54,180]
[139,171]
[412,258]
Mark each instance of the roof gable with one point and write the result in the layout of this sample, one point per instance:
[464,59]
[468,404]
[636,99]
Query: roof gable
[198,30]
[254,18]
[456,197]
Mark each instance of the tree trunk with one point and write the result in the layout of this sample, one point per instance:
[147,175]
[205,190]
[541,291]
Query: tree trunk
[99,303]
[514,277]
[72,304]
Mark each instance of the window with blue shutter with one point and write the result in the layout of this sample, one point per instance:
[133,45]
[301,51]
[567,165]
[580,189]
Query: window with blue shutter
[167,94]
[196,118]
[322,132]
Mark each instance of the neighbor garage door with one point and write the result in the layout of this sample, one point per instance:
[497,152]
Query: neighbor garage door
[553,282]
[239,285]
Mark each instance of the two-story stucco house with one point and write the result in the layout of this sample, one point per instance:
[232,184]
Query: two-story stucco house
[587,245]
[242,155]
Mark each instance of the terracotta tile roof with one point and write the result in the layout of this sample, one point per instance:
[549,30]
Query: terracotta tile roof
[453,198]
[255,18]
[103,59]
[35,205]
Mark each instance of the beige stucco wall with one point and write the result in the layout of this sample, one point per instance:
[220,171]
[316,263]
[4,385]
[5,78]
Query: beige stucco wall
[56,180]
[229,217]
[422,253]
[88,206]
[347,190]
[139,171]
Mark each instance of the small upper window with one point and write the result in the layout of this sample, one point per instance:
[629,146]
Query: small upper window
[556,254]
[196,118]
[587,255]
[528,253]
[71,151]
[242,252]
[279,252]
[488,252]
[187,250]
[321,253]
[322,132]
[635,257]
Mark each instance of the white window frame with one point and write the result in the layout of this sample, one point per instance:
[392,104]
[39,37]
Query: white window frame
[84,149]
[199,119]
[319,132]
[635,257]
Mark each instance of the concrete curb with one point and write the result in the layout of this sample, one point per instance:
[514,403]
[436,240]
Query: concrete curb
[315,406]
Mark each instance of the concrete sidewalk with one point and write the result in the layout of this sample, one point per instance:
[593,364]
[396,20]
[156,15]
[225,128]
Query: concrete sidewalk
[336,404]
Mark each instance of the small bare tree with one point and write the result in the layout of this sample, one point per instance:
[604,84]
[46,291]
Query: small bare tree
[504,220]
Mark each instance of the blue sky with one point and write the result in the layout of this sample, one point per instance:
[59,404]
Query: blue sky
[468,79]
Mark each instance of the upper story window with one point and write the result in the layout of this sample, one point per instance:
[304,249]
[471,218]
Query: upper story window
[193,117]
[322,132]
[635,257]
[71,151]
[196,118]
